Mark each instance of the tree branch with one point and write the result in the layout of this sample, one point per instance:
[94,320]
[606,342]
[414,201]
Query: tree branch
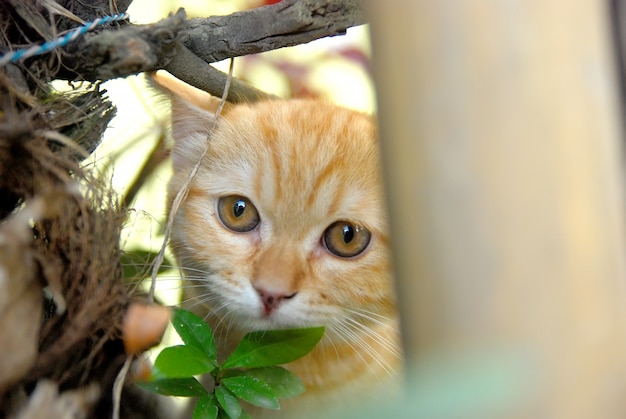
[133,49]
[193,70]
[284,24]
[118,53]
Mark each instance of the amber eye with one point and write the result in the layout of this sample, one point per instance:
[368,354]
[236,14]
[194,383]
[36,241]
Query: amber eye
[346,239]
[238,213]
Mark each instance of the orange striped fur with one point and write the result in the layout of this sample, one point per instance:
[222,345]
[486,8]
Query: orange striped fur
[304,164]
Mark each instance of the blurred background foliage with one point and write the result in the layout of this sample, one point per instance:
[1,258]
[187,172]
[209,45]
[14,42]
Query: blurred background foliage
[337,69]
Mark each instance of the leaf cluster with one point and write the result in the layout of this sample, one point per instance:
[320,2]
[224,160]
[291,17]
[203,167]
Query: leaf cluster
[251,373]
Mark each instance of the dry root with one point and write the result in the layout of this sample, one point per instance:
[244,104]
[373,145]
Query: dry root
[62,294]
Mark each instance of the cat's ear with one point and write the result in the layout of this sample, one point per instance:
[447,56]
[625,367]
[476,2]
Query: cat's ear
[193,114]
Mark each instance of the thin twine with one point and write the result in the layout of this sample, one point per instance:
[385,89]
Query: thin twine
[182,193]
[118,385]
[22,54]
[180,196]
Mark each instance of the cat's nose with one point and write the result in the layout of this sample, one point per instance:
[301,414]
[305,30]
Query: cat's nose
[272,299]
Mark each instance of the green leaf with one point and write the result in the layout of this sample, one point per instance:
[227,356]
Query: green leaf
[223,415]
[252,390]
[195,332]
[283,382]
[182,387]
[137,263]
[267,348]
[206,408]
[182,361]
[228,401]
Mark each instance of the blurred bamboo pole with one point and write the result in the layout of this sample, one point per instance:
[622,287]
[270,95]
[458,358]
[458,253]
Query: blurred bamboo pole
[502,150]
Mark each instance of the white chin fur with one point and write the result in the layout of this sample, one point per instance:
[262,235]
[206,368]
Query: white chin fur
[289,315]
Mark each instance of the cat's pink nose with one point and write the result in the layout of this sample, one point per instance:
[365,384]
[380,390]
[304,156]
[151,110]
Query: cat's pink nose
[271,300]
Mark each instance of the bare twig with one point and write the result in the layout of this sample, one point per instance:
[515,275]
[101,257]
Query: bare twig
[157,156]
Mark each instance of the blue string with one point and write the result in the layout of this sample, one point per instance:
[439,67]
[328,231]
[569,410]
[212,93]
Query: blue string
[21,54]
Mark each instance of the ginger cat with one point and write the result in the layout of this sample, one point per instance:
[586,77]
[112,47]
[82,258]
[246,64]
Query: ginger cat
[284,226]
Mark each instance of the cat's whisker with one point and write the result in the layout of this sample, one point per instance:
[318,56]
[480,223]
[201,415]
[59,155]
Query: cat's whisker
[161,288]
[363,332]
[194,301]
[147,266]
[334,346]
[170,283]
[201,279]
[368,331]
[192,286]
[350,338]
[147,279]
[226,318]
[209,298]
[369,314]
[188,269]
[197,279]
[369,317]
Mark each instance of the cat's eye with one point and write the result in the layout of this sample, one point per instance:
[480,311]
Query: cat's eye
[346,239]
[238,213]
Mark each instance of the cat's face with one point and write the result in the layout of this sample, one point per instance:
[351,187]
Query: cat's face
[283,225]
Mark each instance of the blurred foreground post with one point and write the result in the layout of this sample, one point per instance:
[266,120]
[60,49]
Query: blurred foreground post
[502,149]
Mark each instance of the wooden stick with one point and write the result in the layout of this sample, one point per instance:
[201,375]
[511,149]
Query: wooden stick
[501,138]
